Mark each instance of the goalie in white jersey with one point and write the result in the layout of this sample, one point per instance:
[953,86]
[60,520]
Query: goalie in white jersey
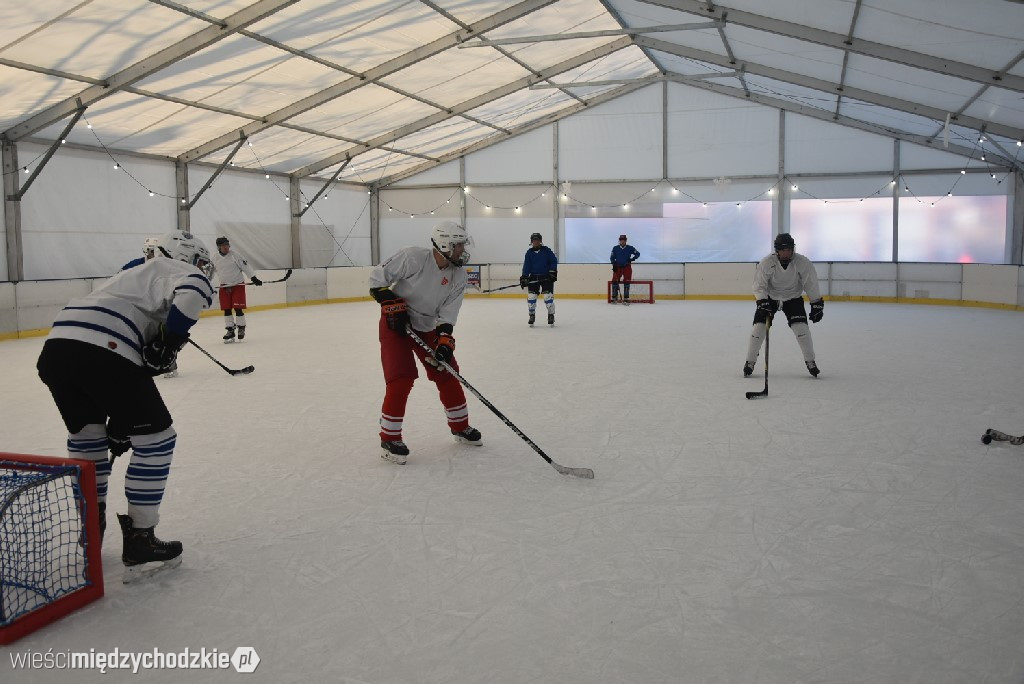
[783,277]
[421,288]
[99,361]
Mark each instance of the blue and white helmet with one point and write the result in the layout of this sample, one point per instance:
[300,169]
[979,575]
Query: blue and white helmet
[446,235]
[188,248]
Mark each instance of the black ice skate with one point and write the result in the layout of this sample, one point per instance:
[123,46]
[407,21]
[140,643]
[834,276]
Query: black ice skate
[241,332]
[229,335]
[533,317]
[625,301]
[173,371]
[748,369]
[468,436]
[143,554]
[812,368]
[395,451]
[551,319]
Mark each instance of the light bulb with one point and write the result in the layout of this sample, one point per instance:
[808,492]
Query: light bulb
[795,187]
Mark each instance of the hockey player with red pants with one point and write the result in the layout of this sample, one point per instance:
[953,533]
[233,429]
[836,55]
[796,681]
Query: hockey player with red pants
[421,289]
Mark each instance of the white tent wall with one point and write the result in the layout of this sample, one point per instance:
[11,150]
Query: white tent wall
[250,210]
[82,217]
[814,146]
[336,230]
[525,158]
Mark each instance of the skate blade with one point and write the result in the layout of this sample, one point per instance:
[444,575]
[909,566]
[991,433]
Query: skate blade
[172,374]
[397,459]
[144,571]
[462,440]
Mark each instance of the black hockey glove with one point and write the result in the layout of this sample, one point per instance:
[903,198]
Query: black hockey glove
[444,348]
[396,315]
[117,443]
[552,275]
[817,310]
[161,352]
[765,305]
[255,281]
[524,281]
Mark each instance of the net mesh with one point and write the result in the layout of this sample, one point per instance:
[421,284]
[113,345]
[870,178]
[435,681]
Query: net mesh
[42,536]
[640,291]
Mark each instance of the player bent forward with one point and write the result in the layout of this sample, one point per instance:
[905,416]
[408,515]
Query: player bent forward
[98,362]
[421,288]
[783,277]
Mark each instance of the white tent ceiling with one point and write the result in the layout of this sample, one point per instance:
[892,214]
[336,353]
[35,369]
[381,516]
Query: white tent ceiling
[399,86]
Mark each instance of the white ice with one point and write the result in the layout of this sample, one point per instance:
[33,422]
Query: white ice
[846,529]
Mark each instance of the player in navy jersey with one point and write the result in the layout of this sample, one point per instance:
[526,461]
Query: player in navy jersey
[623,256]
[540,271]
[99,361]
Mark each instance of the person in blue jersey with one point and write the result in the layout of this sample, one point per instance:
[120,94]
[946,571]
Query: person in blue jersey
[98,362]
[148,248]
[540,271]
[623,256]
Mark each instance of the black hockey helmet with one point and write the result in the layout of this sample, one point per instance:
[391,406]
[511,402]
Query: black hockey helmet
[536,236]
[784,241]
[222,241]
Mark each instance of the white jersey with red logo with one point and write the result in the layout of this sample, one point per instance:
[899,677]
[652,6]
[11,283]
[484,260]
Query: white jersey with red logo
[433,295]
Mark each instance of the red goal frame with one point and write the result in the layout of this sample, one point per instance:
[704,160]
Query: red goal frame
[93,589]
[633,299]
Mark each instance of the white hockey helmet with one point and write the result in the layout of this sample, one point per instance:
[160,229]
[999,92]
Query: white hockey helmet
[446,235]
[188,248]
[149,247]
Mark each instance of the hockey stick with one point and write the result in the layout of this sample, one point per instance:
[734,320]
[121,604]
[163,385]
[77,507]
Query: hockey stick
[995,435]
[506,287]
[767,348]
[232,371]
[585,473]
[286,276]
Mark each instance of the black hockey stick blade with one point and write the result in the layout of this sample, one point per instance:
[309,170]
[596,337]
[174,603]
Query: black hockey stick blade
[231,371]
[286,276]
[755,395]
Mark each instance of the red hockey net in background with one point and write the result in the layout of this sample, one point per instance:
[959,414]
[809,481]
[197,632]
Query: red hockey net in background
[49,541]
[640,291]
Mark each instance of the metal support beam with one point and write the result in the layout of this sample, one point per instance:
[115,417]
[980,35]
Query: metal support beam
[324,188]
[209,182]
[49,153]
[896,203]
[12,213]
[294,193]
[781,219]
[375,74]
[888,53]
[647,80]
[593,34]
[181,188]
[846,54]
[143,68]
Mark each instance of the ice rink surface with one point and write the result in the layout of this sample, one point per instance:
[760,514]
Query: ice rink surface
[847,529]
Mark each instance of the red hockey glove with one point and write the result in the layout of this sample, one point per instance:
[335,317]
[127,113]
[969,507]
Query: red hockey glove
[396,315]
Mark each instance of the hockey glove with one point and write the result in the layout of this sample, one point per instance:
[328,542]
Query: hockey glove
[817,310]
[255,281]
[396,315]
[444,348]
[161,352]
[615,269]
[524,281]
[552,275]
[765,305]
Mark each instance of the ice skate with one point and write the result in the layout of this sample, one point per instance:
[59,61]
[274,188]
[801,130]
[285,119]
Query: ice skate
[144,555]
[229,335]
[468,436]
[173,372]
[241,333]
[812,368]
[625,301]
[533,317]
[748,369]
[551,319]
[395,451]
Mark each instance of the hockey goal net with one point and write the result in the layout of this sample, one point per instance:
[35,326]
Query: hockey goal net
[49,541]
[640,291]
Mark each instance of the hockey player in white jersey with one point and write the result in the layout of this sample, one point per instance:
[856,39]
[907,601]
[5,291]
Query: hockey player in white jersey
[231,267]
[783,277]
[99,361]
[421,288]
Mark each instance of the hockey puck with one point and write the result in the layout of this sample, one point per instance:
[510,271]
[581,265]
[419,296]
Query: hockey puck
[986,439]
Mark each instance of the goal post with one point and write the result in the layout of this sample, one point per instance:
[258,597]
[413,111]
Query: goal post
[49,541]
[640,291]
